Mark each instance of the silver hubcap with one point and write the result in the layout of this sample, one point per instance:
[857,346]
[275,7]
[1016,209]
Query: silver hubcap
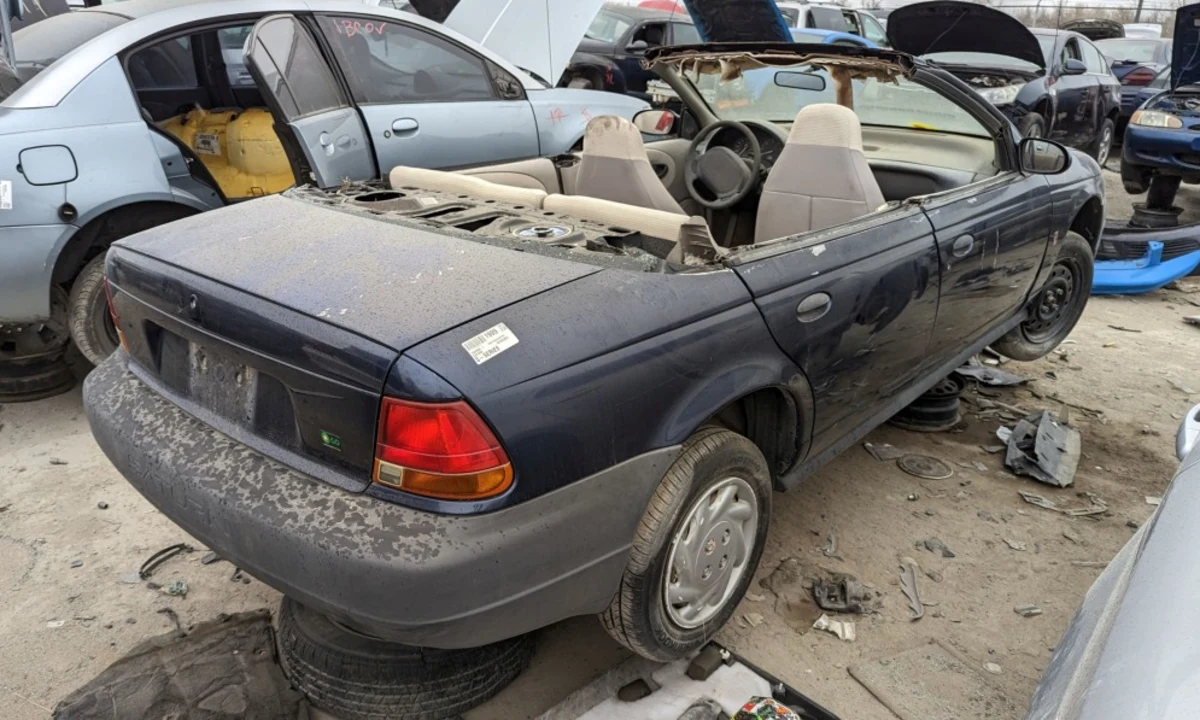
[709,552]
[1105,144]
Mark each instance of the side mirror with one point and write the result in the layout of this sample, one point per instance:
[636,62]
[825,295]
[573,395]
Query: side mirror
[1071,66]
[637,46]
[800,80]
[1189,433]
[655,122]
[1043,157]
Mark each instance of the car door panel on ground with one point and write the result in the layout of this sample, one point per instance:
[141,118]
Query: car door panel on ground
[300,88]
[991,239]
[406,79]
[855,311]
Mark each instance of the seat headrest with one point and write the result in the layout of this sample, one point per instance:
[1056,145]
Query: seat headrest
[828,125]
[614,137]
[404,176]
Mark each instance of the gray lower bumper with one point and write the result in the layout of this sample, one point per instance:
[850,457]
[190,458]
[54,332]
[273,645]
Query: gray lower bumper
[392,571]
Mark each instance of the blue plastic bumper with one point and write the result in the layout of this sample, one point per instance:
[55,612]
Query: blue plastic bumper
[1149,272]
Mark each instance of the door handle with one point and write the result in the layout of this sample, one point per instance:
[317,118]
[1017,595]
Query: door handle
[405,126]
[962,246]
[813,307]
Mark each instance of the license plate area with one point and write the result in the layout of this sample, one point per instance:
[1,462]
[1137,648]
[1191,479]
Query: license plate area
[221,384]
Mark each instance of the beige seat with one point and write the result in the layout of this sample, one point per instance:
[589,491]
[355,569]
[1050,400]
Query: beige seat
[821,178]
[404,176]
[614,166]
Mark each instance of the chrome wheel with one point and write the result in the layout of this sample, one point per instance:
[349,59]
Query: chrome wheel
[1106,138]
[710,552]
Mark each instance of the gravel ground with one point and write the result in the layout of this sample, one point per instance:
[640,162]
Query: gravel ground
[63,621]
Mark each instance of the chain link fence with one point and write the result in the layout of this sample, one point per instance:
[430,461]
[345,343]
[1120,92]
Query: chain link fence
[1053,13]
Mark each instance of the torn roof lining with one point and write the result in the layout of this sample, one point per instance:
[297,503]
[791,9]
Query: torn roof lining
[729,65]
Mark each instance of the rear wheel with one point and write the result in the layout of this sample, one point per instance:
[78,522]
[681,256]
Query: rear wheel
[1056,307]
[92,326]
[1032,125]
[1104,141]
[696,548]
[356,677]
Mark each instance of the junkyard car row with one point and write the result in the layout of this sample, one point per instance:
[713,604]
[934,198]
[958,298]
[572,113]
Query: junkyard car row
[494,354]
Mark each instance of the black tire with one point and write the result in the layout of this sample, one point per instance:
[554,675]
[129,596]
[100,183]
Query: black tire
[1161,193]
[1057,305]
[356,677]
[1032,125]
[1104,141]
[91,325]
[638,617]
[1135,179]
[936,410]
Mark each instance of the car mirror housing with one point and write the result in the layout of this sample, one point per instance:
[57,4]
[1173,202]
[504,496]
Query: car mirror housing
[655,122]
[637,46]
[1043,157]
[799,80]
[1189,433]
[1071,66]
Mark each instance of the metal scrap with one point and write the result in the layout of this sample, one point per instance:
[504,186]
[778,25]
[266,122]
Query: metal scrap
[845,594]
[1027,610]
[830,549]
[883,451]
[844,629]
[991,376]
[1192,319]
[925,467]
[1098,506]
[908,585]
[154,561]
[1044,449]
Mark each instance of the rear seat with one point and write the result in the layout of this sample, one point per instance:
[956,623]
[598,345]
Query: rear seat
[655,223]
[403,176]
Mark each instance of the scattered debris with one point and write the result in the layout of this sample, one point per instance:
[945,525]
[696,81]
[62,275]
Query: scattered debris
[992,449]
[1090,563]
[985,515]
[934,545]
[1027,610]
[844,629]
[1122,328]
[131,578]
[883,451]
[925,467]
[752,620]
[912,497]
[755,597]
[177,589]
[933,575]
[1153,500]
[1098,506]
[56,623]
[1072,537]
[1004,434]
[161,557]
[908,585]
[1192,320]
[830,549]
[974,465]
[845,594]
[1185,389]
[57,461]
[1044,449]
[1132,524]
[991,376]
[1018,545]
[993,668]
[209,558]
[1109,345]
[102,505]
[174,618]
[76,563]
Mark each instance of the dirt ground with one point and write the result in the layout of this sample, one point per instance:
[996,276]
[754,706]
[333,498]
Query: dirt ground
[71,531]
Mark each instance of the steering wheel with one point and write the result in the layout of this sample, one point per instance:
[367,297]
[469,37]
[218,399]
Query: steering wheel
[723,172]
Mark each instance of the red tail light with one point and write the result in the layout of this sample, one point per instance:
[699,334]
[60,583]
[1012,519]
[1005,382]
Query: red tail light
[442,450]
[1141,76]
[112,313]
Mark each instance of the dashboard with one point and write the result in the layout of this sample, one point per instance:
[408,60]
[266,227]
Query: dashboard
[769,141]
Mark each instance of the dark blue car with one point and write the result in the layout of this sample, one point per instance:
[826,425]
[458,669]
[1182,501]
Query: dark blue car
[1162,145]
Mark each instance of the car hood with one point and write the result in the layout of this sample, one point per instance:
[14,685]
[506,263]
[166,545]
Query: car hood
[1185,60]
[1095,28]
[535,35]
[952,26]
[739,20]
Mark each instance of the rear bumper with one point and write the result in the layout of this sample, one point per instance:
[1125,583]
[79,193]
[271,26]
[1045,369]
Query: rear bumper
[387,570]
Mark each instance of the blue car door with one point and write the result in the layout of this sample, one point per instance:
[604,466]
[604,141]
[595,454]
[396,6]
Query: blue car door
[854,306]
[428,101]
[327,141]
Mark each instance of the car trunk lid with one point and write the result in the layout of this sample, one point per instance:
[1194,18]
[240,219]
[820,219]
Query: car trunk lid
[1185,49]
[277,321]
[952,26]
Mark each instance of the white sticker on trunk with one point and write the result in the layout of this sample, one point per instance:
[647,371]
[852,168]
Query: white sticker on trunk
[5,194]
[208,143]
[490,343]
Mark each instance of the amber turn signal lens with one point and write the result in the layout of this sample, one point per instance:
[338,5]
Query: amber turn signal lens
[469,486]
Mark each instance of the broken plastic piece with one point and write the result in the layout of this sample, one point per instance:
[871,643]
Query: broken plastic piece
[883,451]
[1044,449]
[1098,507]
[844,629]
[1027,610]
[908,584]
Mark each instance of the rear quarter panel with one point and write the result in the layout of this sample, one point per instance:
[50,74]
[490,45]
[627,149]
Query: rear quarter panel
[562,114]
[610,366]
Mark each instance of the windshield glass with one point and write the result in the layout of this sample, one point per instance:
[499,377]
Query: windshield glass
[41,44]
[607,27]
[905,104]
[1141,51]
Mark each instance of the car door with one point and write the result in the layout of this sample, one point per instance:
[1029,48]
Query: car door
[326,140]
[991,237]
[1107,89]
[1071,92]
[428,101]
[854,306]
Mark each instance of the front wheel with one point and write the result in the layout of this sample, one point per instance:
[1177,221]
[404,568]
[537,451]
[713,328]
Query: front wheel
[1032,126]
[1057,306]
[696,548]
[1104,141]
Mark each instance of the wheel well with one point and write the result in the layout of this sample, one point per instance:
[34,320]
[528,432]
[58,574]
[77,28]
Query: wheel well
[95,237]
[768,418]
[1089,220]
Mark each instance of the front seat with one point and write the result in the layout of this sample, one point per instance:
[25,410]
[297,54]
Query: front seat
[821,178]
[614,167]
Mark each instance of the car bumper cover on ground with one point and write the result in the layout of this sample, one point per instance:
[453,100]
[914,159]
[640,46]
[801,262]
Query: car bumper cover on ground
[388,570]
